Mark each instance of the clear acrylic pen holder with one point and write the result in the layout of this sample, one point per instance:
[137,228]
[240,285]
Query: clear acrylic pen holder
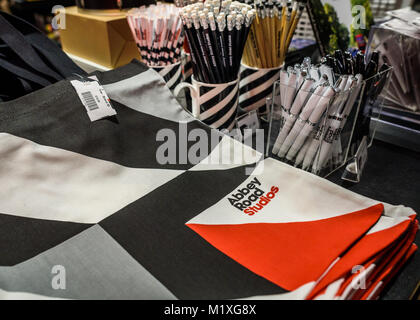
[319,132]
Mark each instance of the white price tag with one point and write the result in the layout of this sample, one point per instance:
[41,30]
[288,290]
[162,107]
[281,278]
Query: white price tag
[94,98]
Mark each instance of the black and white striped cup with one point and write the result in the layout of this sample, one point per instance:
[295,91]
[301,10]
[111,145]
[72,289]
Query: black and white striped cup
[214,104]
[187,67]
[255,86]
[172,74]
[187,72]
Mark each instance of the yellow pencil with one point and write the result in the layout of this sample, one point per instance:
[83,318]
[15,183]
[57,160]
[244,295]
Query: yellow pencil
[260,41]
[271,32]
[284,34]
[267,41]
[273,37]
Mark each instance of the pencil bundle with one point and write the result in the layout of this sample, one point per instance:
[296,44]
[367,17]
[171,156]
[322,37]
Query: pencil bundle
[271,32]
[158,33]
[217,32]
[180,4]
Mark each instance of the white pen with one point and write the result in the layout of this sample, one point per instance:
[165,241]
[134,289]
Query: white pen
[356,84]
[318,137]
[302,75]
[343,82]
[314,73]
[313,120]
[284,79]
[353,95]
[324,69]
[300,122]
[306,63]
[300,99]
[338,123]
[320,82]
[302,152]
[290,90]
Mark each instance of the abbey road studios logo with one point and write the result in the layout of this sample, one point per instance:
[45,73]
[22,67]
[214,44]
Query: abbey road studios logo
[252,199]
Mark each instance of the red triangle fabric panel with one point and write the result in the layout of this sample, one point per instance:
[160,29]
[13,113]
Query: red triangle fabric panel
[365,249]
[290,254]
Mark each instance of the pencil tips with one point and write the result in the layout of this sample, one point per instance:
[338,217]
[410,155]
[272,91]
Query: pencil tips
[157,30]
[271,33]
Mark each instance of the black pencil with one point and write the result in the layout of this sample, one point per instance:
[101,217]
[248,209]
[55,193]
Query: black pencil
[202,47]
[210,48]
[214,40]
[229,43]
[221,26]
[196,61]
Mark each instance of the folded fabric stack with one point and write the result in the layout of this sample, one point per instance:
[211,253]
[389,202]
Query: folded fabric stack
[91,198]
[311,238]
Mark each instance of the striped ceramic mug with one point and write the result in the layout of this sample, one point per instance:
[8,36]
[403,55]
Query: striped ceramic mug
[187,72]
[255,86]
[187,67]
[172,74]
[214,104]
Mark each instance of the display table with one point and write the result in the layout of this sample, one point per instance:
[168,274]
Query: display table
[392,175]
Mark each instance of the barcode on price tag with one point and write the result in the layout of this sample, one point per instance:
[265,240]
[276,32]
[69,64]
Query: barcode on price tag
[94,98]
[89,101]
